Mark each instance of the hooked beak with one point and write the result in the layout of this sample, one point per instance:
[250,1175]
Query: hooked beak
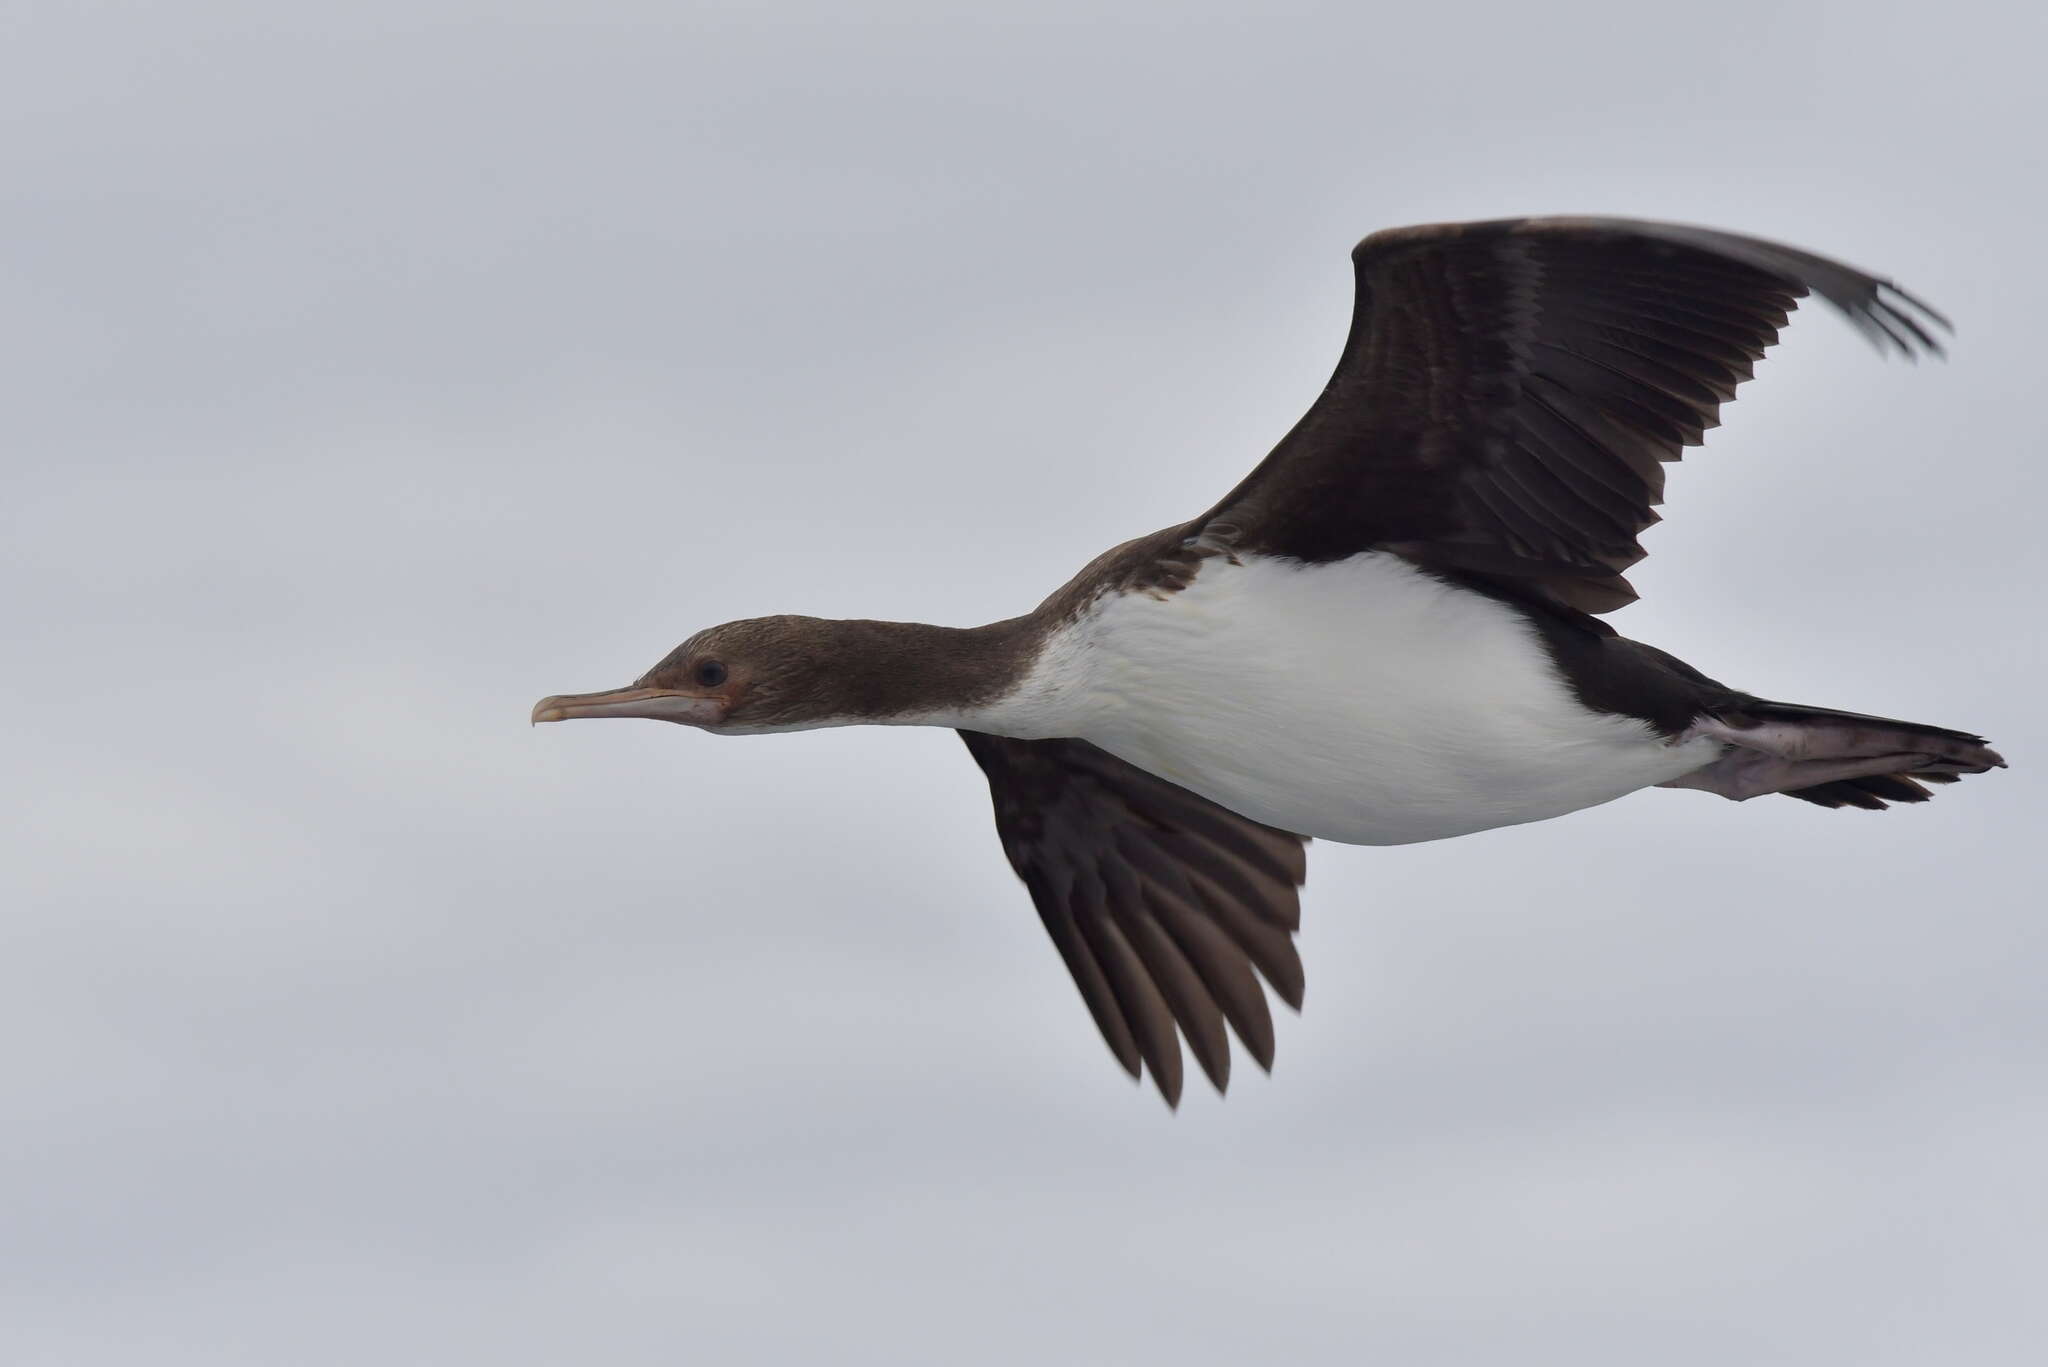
[656,704]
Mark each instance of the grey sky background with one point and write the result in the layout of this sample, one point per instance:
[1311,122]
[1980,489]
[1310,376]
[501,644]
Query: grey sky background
[375,369]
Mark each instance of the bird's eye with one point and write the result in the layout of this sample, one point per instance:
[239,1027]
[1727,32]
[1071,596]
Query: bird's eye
[710,674]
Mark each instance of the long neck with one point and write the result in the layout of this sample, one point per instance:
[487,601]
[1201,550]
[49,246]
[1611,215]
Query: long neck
[916,674]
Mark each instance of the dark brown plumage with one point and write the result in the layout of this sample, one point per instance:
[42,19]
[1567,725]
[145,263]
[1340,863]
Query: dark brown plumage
[1510,392]
[1161,902]
[1502,412]
[1501,415]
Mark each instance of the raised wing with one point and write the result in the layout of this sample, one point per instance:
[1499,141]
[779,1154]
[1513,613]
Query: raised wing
[1510,391]
[1161,902]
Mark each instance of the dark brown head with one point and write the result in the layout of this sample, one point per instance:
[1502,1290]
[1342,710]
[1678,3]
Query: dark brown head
[795,673]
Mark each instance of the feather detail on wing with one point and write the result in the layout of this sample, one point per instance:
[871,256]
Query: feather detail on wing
[1510,392]
[1166,907]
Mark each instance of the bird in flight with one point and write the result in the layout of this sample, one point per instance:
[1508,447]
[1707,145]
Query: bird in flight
[1389,631]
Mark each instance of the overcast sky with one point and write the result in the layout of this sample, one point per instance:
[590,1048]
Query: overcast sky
[377,368]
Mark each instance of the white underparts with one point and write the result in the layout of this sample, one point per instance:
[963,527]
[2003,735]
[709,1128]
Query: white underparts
[1362,701]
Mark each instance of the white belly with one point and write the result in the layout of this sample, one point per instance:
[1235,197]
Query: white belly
[1362,701]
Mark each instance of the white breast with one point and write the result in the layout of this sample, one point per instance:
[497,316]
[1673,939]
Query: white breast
[1362,701]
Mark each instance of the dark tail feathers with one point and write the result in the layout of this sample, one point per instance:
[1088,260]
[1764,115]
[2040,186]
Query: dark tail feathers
[1946,755]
